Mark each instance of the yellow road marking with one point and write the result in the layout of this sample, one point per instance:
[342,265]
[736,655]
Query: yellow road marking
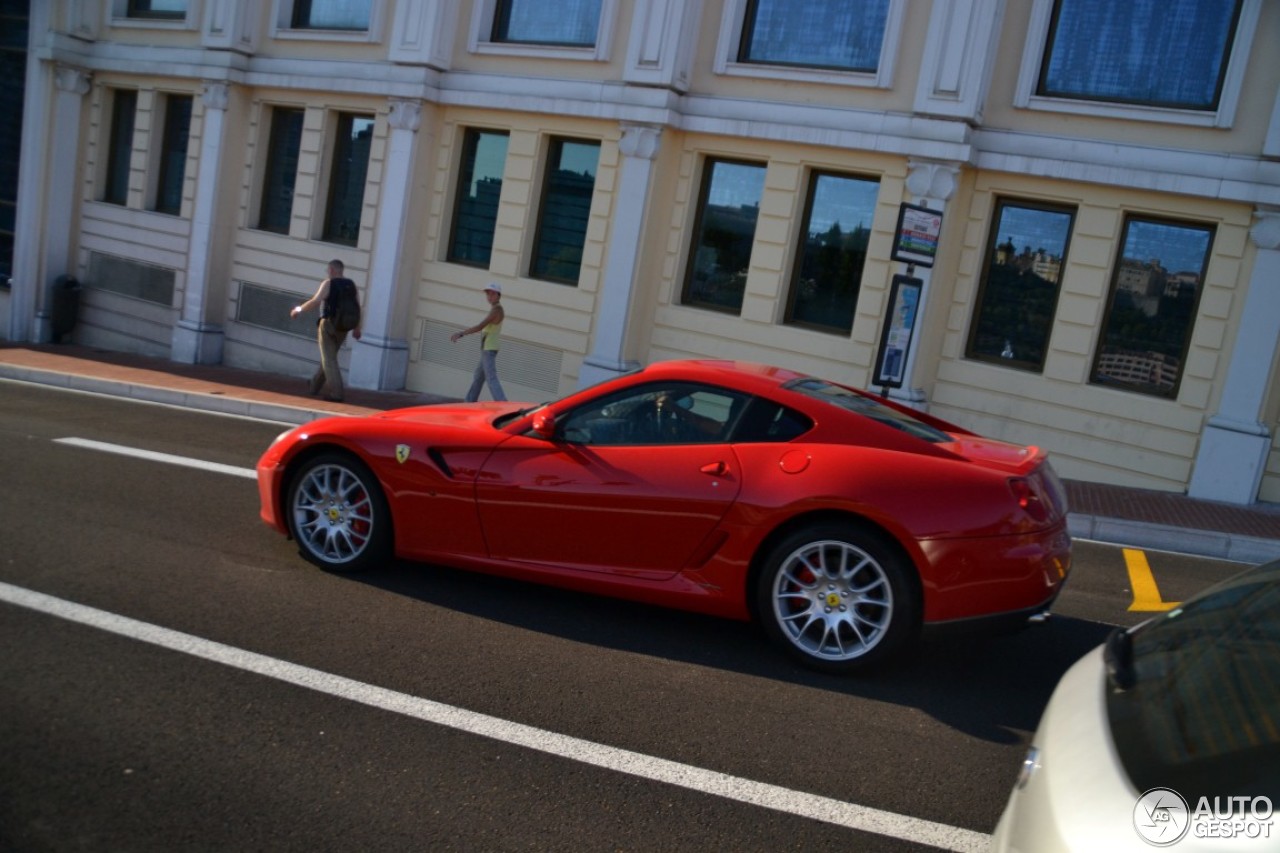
[1146,596]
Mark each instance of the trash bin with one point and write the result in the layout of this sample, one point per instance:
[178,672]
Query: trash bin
[66,306]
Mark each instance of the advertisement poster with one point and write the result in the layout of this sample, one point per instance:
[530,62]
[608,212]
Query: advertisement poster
[916,241]
[895,341]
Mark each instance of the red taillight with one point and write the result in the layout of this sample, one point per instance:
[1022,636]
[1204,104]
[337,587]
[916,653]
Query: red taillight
[1028,498]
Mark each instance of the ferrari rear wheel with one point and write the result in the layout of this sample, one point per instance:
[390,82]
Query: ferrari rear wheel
[337,513]
[837,597]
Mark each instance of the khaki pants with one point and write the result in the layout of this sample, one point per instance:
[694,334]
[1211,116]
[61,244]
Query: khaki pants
[328,376]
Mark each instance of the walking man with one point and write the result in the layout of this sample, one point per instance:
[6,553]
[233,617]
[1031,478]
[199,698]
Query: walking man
[331,331]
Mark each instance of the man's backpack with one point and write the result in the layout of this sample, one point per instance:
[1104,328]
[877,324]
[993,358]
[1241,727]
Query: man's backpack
[346,304]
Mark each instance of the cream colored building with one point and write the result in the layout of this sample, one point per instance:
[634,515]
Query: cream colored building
[655,179]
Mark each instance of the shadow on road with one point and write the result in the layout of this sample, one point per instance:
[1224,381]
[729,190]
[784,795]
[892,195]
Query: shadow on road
[989,687]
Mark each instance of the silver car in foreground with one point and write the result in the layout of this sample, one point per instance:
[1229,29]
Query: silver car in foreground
[1167,736]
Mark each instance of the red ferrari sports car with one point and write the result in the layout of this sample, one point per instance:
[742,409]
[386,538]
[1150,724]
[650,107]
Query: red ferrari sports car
[841,522]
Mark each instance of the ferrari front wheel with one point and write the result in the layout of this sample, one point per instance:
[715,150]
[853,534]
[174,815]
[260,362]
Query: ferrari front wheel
[837,597]
[337,513]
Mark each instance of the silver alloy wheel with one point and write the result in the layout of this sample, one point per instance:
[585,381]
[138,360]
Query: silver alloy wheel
[333,514]
[832,600]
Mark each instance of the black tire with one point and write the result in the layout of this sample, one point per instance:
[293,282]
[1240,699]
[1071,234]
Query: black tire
[337,513]
[838,597]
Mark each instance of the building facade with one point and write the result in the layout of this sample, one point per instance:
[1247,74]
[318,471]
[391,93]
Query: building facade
[1098,271]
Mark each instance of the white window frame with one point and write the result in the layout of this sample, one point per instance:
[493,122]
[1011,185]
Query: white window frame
[478,42]
[282,25]
[734,18]
[1025,96]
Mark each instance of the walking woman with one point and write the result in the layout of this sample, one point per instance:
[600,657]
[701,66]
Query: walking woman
[490,329]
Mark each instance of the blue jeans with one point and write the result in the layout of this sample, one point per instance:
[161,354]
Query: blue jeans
[486,371]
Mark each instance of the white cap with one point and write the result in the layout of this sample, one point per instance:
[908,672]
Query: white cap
[494,286]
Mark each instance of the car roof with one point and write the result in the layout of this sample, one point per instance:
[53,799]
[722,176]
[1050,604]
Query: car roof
[745,375]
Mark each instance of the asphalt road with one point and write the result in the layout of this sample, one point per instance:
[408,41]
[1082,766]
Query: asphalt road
[174,676]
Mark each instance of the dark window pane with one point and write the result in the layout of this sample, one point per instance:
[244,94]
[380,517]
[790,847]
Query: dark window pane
[331,14]
[566,22]
[173,153]
[164,9]
[1155,292]
[1167,53]
[475,215]
[566,207]
[120,146]
[281,170]
[828,272]
[841,34]
[727,212]
[13,66]
[347,176]
[1018,294]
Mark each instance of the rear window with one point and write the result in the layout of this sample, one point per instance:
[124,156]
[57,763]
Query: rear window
[868,407]
[1203,714]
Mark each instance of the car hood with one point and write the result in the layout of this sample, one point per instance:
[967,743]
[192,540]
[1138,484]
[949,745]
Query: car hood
[452,414]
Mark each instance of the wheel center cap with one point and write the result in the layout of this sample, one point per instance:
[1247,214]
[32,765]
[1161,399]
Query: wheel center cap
[833,599]
[334,514]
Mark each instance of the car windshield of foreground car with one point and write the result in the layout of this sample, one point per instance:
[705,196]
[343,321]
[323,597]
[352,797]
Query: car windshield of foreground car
[869,407]
[1202,715]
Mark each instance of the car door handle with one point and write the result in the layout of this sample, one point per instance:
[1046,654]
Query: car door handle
[715,469]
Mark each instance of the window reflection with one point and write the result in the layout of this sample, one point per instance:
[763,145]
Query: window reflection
[1156,52]
[281,173]
[346,183]
[815,33]
[1018,295]
[475,218]
[574,23]
[566,209]
[331,14]
[173,153]
[726,229]
[1155,291]
[828,273]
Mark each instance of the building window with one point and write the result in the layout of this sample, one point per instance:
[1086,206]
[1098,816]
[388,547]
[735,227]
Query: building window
[331,14]
[347,174]
[281,170]
[566,207]
[570,23]
[1155,292]
[1147,52]
[828,268]
[475,212]
[124,104]
[164,10]
[846,36]
[14,31]
[1018,294]
[728,207]
[173,154]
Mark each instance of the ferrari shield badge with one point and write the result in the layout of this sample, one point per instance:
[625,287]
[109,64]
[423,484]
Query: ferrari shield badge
[402,453]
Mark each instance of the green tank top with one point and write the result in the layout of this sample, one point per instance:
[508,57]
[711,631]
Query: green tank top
[492,337]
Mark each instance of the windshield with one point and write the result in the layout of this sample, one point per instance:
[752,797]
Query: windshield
[866,406]
[1202,714]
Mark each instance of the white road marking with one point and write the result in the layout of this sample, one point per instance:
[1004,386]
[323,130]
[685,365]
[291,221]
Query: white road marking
[216,467]
[704,781]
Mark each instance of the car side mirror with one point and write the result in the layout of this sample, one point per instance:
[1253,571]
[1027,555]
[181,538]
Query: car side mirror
[544,425]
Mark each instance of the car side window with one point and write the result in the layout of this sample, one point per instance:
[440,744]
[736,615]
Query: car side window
[655,414]
[766,421]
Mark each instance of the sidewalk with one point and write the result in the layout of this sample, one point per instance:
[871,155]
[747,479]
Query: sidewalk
[1140,518]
